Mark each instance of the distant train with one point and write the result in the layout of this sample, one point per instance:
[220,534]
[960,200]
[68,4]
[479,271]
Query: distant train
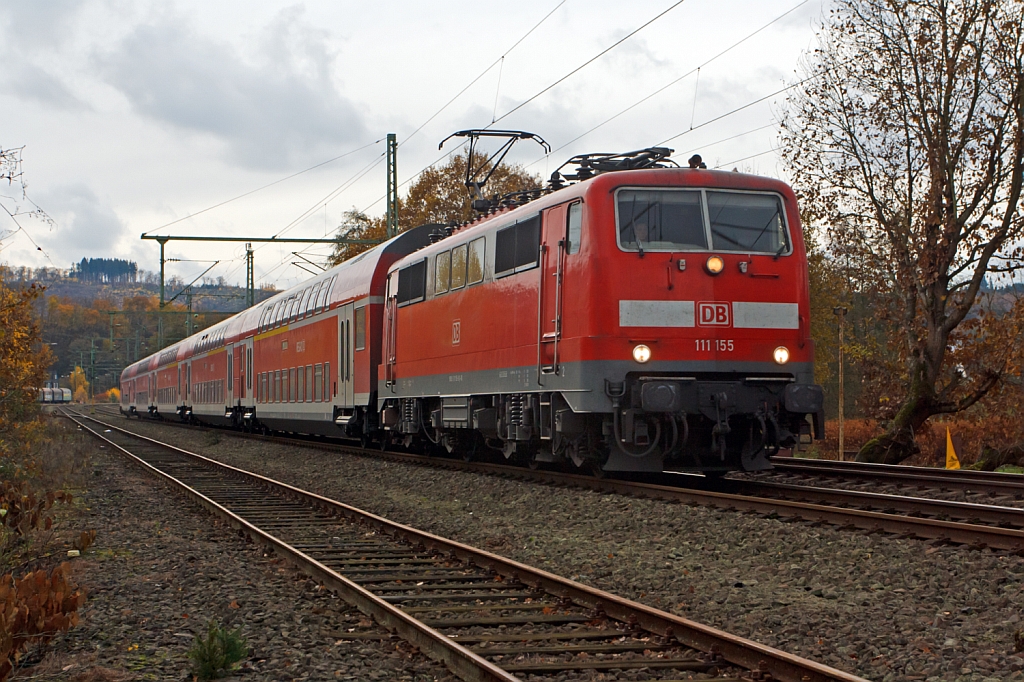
[645,317]
[49,396]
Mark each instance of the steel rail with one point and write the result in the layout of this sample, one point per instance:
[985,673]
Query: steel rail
[958,479]
[995,515]
[461,661]
[733,649]
[816,504]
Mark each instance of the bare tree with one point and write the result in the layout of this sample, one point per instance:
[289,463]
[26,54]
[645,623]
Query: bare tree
[905,143]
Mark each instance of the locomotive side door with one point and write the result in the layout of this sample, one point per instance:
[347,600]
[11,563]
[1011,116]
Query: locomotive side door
[346,348]
[550,294]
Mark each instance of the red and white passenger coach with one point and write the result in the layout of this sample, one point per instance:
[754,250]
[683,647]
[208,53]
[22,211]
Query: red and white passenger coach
[635,320]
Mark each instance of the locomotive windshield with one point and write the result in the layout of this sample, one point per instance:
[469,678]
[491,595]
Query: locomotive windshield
[686,220]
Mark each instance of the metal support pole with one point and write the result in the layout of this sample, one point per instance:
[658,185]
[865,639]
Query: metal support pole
[392,186]
[188,311]
[840,312]
[92,366]
[160,313]
[250,283]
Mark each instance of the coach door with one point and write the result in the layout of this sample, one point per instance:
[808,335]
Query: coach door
[550,291]
[346,357]
[247,378]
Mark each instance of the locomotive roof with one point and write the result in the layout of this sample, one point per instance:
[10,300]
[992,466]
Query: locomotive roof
[604,183]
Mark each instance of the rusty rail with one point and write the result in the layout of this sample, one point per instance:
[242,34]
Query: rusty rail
[766,662]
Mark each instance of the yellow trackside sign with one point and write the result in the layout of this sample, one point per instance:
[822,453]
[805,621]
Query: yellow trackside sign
[952,461]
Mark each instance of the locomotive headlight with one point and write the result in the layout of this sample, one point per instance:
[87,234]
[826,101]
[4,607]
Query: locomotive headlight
[781,355]
[641,353]
[715,265]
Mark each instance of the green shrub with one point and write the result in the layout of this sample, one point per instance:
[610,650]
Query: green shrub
[217,653]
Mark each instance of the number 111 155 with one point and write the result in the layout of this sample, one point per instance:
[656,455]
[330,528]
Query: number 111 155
[720,345]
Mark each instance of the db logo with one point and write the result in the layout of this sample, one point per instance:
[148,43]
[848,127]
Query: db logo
[456,332]
[713,314]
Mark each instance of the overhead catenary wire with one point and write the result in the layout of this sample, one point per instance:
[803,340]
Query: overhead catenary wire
[482,74]
[746,106]
[627,109]
[675,81]
[590,61]
[269,184]
[745,158]
[499,60]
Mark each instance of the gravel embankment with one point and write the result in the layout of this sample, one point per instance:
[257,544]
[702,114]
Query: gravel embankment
[159,571]
[883,608]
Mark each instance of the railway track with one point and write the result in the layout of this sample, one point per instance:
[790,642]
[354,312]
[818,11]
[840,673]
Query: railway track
[486,617]
[975,525]
[905,477]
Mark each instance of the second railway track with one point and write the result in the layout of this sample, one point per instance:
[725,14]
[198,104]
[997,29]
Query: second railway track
[486,617]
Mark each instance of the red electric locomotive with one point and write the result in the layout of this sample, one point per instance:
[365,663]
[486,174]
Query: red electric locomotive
[633,321]
[645,317]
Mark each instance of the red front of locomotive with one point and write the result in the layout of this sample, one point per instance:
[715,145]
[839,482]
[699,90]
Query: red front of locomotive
[704,282]
[635,321]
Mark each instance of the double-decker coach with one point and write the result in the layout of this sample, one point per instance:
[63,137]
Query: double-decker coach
[304,360]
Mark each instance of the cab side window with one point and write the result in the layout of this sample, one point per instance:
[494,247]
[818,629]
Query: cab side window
[575,226]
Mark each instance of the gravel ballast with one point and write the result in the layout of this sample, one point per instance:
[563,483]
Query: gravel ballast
[875,605]
[159,570]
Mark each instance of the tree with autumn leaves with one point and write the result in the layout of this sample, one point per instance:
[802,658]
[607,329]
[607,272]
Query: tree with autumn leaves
[905,143]
[439,195]
[23,365]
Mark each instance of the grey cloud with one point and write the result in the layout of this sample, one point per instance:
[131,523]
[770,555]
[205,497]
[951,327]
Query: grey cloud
[30,82]
[86,226]
[274,114]
[39,26]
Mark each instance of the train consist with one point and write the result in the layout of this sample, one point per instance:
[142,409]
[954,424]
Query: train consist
[49,396]
[643,317]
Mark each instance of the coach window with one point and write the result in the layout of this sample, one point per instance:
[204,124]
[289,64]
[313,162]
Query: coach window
[442,272]
[360,328]
[303,302]
[307,307]
[301,388]
[318,382]
[475,264]
[459,267]
[321,297]
[285,386]
[330,292]
[309,383]
[327,381]
[412,283]
[575,224]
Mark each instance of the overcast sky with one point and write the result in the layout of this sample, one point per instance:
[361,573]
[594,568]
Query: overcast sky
[134,114]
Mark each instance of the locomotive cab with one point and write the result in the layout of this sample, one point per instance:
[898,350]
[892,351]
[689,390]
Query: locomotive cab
[714,318]
[638,320]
